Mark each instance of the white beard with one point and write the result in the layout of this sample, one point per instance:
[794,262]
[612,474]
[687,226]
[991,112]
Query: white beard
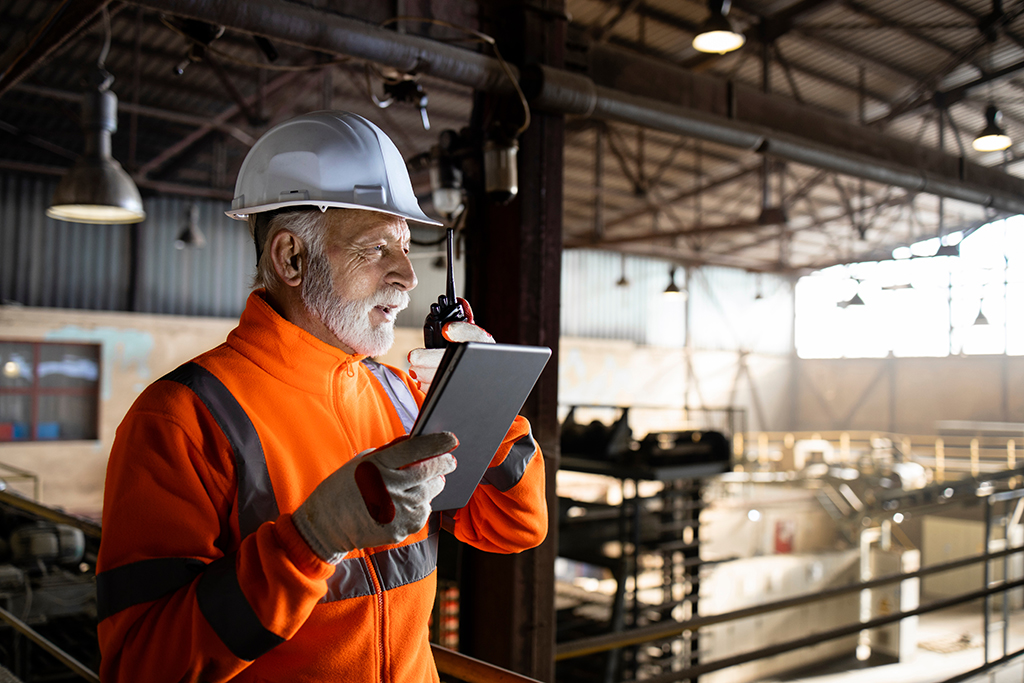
[349,321]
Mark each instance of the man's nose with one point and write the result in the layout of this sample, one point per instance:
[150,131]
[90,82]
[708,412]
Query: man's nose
[402,274]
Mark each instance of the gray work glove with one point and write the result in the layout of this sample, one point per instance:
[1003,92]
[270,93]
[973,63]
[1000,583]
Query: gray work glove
[378,498]
[423,363]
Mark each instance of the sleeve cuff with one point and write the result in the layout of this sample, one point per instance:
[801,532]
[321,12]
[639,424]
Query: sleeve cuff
[299,552]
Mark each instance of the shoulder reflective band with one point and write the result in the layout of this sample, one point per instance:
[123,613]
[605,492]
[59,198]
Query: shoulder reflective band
[256,501]
[228,611]
[510,471]
[395,567]
[397,390]
[142,581]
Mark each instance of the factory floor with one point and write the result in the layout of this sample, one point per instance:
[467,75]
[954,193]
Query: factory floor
[949,643]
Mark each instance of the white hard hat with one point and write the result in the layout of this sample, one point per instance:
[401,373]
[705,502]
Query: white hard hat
[325,159]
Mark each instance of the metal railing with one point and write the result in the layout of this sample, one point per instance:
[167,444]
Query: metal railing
[47,645]
[660,632]
[472,670]
[974,453]
[10,473]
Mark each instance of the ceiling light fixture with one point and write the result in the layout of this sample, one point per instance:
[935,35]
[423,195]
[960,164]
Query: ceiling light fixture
[981,319]
[191,235]
[854,301]
[96,189]
[716,34]
[623,281]
[993,137]
[673,289]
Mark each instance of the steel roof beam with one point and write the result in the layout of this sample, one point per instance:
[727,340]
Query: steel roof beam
[66,20]
[141,110]
[721,112]
[162,159]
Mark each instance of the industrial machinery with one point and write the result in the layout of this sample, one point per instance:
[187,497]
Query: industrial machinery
[645,524]
[47,589]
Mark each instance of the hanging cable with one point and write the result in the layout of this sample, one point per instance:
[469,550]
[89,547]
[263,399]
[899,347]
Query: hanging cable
[249,63]
[483,38]
[101,61]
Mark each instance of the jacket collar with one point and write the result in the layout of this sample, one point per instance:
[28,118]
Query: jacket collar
[285,350]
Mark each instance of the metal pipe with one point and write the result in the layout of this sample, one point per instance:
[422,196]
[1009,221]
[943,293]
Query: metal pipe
[572,93]
[319,29]
[33,635]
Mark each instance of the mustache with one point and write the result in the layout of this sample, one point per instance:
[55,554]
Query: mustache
[389,297]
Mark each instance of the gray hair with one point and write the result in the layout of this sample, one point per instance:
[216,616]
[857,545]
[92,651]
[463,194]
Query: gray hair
[309,225]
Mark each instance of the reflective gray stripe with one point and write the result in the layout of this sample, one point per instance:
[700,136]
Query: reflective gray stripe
[406,564]
[395,567]
[351,579]
[143,581]
[256,501]
[508,473]
[228,611]
[398,391]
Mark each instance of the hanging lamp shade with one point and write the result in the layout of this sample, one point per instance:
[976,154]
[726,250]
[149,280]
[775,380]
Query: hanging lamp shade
[96,189]
[993,137]
[673,289]
[717,34]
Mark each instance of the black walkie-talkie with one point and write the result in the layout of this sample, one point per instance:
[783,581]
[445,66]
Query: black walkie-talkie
[447,309]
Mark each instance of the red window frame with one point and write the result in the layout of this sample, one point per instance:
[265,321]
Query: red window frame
[36,390]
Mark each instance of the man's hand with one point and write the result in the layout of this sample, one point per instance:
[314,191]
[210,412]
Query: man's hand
[376,499]
[423,362]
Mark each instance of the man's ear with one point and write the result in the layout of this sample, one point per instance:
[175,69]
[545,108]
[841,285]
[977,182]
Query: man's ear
[288,256]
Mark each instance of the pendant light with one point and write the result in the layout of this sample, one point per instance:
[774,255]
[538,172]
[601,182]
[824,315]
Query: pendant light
[716,34]
[993,137]
[191,237]
[673,291]
[96,189]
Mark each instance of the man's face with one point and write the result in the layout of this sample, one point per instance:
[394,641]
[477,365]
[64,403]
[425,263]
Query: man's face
[361,281]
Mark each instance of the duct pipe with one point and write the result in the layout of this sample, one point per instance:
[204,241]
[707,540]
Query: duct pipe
[555,90]
[322,30]
[561,91]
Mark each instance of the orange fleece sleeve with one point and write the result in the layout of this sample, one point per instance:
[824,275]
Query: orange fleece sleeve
[169,497]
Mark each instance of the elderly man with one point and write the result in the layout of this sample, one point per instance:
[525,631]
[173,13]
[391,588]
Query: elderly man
[266,518]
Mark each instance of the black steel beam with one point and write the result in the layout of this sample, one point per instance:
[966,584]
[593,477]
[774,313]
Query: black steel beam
[67,20]
[507,601]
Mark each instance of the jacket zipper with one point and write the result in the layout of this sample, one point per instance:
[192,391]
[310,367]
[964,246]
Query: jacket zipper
[379,592]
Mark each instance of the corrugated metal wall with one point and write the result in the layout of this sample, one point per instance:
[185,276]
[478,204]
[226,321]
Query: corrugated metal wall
[51,263]
[729,309]
[733,310]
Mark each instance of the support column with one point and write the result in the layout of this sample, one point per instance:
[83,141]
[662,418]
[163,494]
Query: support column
[513,283]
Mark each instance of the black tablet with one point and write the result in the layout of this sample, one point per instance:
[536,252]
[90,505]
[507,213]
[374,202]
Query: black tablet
[476,394]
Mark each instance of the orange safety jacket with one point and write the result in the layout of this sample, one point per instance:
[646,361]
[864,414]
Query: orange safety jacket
[202,575]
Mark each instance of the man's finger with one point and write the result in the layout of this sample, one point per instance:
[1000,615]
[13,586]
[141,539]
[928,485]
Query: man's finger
[436,466]
[426,357]
[423,374]
[465,332]
[417,448]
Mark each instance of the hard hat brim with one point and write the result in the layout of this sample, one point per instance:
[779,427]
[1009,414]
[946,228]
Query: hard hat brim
[242,214]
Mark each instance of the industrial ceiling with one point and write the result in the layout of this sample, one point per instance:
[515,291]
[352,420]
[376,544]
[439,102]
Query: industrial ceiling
[827,138]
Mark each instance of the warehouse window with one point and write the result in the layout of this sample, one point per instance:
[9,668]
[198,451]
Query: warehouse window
[48,391]
[919,303]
